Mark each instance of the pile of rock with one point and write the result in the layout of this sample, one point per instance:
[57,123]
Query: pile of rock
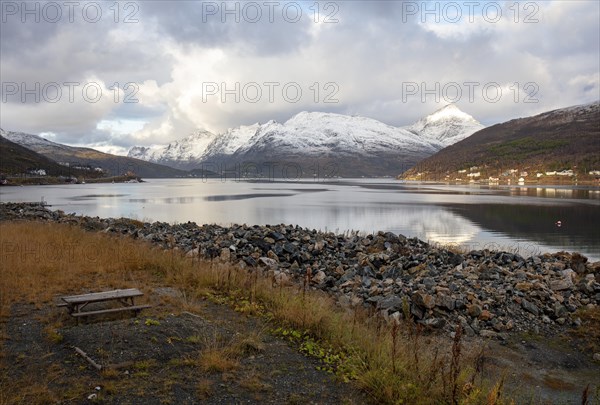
[488,292]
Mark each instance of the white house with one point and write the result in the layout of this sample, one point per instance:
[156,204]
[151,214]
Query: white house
[565,173]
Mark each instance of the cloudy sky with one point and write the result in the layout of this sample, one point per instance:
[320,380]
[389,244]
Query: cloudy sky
[115,74]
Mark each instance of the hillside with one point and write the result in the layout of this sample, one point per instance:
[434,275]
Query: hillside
[113,165]
[17,159]
[559,140]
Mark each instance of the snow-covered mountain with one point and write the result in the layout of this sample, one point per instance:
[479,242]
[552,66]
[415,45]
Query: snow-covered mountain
[325,145]
[181,154]
[348,145]
[234,139]
[324,134]
[447,125]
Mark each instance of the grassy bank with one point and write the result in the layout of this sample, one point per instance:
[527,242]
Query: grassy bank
[392,362]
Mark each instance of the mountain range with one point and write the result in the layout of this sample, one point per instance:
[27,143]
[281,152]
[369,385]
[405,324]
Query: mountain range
[316,144]
[446,145]
[565,140]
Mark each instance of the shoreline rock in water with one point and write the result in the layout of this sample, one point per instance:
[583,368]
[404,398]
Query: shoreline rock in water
[490,293]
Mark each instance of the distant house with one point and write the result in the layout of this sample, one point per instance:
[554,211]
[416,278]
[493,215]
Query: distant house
[524,174]
[538,175]
[551,173]
[513,171]
[462,171]
[476,174]
[565,173]
[38,172]
[595,172]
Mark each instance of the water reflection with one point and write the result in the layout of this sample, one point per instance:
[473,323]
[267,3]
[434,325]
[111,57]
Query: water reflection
[180,200]
[540,223]
[521,219]
[445,228]
[244,196]
[94,196]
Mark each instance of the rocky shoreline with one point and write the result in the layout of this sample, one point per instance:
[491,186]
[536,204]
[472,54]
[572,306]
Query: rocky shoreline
[489,293]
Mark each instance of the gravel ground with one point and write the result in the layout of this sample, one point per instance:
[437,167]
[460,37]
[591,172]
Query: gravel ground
[146,357]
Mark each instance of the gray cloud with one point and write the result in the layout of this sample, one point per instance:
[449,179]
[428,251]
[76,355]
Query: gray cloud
[371,54]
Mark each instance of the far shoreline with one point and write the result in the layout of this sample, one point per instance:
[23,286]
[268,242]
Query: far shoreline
[50,181]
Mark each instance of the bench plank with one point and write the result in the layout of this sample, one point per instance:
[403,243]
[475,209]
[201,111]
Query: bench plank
[111,310]
[102,296]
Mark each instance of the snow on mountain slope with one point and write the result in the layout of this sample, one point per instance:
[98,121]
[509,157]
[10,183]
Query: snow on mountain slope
[145,152]
[447,125]
[179,153]
[29,141]
[315,133]
[232,140]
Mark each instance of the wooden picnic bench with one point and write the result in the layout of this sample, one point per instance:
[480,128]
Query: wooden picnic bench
[77,303]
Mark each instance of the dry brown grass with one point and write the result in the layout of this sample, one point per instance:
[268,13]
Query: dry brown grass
[221,355]
[589,331]
[217,361]
[204,388]
[42,261]
[254,383]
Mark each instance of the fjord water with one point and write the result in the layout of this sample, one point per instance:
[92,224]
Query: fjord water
[518,219]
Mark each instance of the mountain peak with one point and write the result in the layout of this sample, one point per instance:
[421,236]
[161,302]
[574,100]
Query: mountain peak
[450,112]
[447,125]
[198,134]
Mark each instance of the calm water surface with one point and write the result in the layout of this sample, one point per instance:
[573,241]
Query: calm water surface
[522,219]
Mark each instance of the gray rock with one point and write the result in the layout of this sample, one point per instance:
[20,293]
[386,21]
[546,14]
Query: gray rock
[445,301]
[474,310]
[488,333]
[267,262]
[530,307]
[435,323]
[424,300]
[391,303]
[564,283]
